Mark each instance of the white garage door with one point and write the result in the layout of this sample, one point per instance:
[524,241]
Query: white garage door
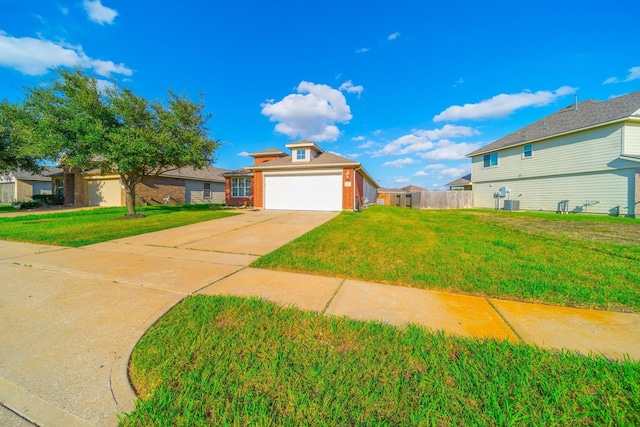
[303,192]
[104,192]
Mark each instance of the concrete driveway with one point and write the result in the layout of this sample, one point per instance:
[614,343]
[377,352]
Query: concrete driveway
[69,318]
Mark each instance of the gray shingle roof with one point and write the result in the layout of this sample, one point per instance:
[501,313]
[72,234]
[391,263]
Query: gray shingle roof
[209,173]
[238,172]
[268,152]
[587,114]
[462,181]
[322,159]
[44,176]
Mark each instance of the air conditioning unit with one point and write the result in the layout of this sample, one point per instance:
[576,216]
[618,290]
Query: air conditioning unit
[512,205]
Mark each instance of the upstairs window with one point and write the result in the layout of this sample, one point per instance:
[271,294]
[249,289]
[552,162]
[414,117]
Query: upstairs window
[301,154]
[490,160]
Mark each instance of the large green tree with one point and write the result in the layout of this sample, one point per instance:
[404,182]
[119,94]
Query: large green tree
[113,129]
[14,149]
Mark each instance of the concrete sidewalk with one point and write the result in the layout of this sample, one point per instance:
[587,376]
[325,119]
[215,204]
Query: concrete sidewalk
[69,318]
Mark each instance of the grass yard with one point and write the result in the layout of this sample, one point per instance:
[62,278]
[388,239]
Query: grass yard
[233,361]
[7,209]
[573,260]
[85,227]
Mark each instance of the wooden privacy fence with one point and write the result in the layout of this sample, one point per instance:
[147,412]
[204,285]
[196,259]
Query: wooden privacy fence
[459,199]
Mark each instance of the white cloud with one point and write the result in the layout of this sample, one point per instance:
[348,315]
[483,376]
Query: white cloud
[352,155]
[435,166]
[502,105]
[37,56]
[99,13]
[421,173]
[358,138]
[399,163]
[423,140]
[455,172]
[634,74]
[350,88]
[377,132]
[103,85]
[243,154]
[64,10]
[367,144]
[362,50]
[311,113]
[447,150]
[394,36]
[400,179]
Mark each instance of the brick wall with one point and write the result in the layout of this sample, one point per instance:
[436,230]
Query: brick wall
[348,191]
[237,201]
[258,197]
[155,190]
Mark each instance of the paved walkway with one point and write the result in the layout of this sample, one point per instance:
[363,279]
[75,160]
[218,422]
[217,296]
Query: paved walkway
[69,318]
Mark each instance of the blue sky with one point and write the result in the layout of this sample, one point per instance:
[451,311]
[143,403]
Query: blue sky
[405,87]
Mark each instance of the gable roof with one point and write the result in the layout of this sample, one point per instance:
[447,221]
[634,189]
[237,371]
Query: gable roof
[460,182]
[323,159]
[571,118]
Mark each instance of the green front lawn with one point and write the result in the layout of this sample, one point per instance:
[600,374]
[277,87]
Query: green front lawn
[573,260]
[232,361]
[85,227]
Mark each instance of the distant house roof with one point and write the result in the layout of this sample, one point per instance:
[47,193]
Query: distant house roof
[571,118]
[45,175]
[410,188]
[460,182]
[391,190]
[209,173]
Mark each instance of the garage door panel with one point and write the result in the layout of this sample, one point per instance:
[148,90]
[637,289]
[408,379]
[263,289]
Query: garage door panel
[304,192]
[104,192]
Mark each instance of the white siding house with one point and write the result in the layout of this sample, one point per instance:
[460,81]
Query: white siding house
[584,157]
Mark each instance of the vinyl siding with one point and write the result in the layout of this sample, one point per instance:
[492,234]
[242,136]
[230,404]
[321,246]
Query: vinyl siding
[610,189]
[580,152]
[578,167]
[195,192]
[632,139]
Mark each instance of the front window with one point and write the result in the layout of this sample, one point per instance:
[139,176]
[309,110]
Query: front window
[241,187]
[207,190]
[527,151]
[490,160]
[301,154]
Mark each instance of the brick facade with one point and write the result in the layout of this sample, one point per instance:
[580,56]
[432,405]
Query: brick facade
[258,197]
[348,189]
[237,201]
[155,190]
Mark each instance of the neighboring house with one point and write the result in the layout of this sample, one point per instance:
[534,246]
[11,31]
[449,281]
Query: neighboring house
[182,186]
[413,188]
[21,185]
[582,158]
[462,183]
[307,179]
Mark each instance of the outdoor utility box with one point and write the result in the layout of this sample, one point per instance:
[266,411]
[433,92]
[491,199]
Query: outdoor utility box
[511,205]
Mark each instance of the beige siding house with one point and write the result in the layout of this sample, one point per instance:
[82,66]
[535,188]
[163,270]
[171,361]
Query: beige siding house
[21,185]
[583,158]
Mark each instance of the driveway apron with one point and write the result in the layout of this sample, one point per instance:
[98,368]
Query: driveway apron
[69,318]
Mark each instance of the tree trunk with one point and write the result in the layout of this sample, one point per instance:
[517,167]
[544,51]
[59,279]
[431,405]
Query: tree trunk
[130,195]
